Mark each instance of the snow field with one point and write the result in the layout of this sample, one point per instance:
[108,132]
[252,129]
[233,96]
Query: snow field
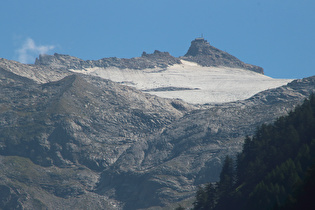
[206,84]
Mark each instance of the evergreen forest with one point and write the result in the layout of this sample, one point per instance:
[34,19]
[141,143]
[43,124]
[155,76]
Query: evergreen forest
[275,170]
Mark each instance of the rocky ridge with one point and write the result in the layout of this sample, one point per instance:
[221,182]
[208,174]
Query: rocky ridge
[156,59]
[200,52]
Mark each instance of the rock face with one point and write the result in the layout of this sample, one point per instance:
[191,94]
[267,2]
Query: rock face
[204,54]
[83,142]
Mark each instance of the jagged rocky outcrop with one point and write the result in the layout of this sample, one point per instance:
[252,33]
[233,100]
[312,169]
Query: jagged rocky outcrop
[156,59]
[201,52]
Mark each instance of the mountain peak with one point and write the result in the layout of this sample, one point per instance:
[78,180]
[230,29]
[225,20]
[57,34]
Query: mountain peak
[199,46]
[201,52]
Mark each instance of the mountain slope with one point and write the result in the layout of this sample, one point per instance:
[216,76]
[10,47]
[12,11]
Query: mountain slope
[190,151]
[63,117]
[71,129]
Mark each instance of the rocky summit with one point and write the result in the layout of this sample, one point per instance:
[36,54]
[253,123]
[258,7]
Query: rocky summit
[73,139]
[204,54]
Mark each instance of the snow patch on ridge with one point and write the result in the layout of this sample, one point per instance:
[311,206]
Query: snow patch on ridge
[195,84]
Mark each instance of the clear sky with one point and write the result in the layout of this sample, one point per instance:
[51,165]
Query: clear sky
[278,35]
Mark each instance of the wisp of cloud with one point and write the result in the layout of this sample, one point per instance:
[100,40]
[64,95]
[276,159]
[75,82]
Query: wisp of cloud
[29,51]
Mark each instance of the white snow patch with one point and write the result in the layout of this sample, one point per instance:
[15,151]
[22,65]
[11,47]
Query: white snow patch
[206,84]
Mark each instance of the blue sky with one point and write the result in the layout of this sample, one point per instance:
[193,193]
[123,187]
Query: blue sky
[278,35]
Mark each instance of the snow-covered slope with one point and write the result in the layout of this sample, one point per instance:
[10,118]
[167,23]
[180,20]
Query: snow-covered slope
[191,82]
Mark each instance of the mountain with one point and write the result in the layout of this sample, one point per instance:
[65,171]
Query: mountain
[74,140]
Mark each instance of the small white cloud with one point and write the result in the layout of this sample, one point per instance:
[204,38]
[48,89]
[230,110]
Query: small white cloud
[29,51]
